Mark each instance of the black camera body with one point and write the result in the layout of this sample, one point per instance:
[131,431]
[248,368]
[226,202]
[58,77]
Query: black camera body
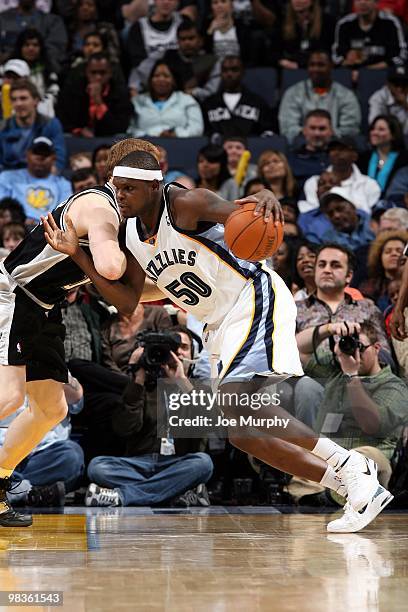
[157,352]
[349,344]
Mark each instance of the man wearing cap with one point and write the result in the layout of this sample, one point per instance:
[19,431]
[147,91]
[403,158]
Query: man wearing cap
[351,227]
[25,125]
[392,99]
[365,191]
[35,187]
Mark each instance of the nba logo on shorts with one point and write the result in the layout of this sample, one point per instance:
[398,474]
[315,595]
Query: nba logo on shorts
[18,347]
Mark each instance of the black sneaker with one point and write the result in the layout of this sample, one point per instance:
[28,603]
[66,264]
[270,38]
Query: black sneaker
[8,516]
[202,495]
[52,496]
[189,498]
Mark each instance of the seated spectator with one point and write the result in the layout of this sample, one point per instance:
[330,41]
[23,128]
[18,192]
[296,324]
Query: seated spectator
[319,91]
[234,147]
[368,400]
[12,234]
[30,47]
[314,223]
[35,187]
[93,42]
[310,157]
[343,158]
[149,38]
[18,132]
[392,98]
[11,211]
[273,167]
[165,110]
[153,470]
[212,168]
[281,260]
[56,464]
[199,72]
[100,106]
[83,159]
[387,153]
[83,178]
[384,266]
[303,272]
[369,37]
[132,10]
[331,303]
[50,26]
[99,158]
[228,35]
[13,70]
[235,111]
[86,20]
[305,27]
[351,226]
[393,219]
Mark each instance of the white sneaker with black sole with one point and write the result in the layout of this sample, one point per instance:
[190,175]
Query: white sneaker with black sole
[355,520]
[359,475]
[101,496]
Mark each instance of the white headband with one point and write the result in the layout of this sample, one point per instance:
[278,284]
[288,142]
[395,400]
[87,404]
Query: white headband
[137,173]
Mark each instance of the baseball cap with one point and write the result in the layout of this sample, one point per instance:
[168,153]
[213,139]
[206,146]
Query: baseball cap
[345,141]
[18,66]
[398,74]
[338,192]
[42,146]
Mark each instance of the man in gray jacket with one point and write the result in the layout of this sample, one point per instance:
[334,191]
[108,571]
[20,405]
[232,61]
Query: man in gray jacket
[319,92]
[392,99]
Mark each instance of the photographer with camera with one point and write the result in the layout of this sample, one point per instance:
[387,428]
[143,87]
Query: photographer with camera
[153,470]
[359,405]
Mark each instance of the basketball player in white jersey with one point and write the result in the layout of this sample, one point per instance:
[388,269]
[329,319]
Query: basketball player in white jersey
[34,278]
[175,237]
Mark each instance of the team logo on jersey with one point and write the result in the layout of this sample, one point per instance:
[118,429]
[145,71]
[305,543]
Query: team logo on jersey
[40,198]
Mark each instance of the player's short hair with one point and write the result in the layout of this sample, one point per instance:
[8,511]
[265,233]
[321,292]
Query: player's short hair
[124,147]
[140,159]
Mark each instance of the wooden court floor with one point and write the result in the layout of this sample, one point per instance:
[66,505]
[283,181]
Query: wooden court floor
[130,559]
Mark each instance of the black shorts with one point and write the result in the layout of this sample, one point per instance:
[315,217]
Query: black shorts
[31,336]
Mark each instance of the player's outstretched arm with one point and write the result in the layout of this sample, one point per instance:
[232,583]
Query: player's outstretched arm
[204,205]
[123,295]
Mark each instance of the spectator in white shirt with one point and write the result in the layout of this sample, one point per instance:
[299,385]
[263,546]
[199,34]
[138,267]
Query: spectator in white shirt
[343,155]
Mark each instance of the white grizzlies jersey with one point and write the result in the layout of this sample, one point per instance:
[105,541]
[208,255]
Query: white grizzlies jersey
[248,311]
[195,269]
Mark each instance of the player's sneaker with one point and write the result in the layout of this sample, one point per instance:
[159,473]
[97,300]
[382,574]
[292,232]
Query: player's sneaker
[359,475]
[353,520]
[101,496]
[8,516]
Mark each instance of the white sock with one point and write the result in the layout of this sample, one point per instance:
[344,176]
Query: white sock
[330,480]
[5,473]
[330,452]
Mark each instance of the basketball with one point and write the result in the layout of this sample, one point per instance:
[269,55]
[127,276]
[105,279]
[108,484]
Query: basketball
[250,237]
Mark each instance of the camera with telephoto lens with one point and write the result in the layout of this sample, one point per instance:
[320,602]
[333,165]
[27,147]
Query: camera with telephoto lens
[349,344]
[157,353]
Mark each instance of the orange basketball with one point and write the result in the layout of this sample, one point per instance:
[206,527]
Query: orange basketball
[250,237]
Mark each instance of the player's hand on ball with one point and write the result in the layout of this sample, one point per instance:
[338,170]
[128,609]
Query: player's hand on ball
[267,204]
[60,240]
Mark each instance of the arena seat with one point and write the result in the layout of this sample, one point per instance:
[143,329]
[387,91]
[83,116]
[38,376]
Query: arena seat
[264,82]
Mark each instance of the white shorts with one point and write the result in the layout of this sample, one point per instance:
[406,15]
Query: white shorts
[257,337]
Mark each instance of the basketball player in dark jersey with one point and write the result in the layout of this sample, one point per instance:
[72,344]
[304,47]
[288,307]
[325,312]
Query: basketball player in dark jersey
[34,278]
[175,236]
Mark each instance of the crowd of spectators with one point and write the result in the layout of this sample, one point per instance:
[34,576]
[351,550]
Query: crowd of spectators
[321,87]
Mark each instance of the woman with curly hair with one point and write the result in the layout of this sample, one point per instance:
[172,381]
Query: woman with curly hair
[385,260]
[273,167]
[303,270]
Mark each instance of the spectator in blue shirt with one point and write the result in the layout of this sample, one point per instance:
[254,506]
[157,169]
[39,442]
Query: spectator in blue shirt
[35,187]
[18,132]
[351,226]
